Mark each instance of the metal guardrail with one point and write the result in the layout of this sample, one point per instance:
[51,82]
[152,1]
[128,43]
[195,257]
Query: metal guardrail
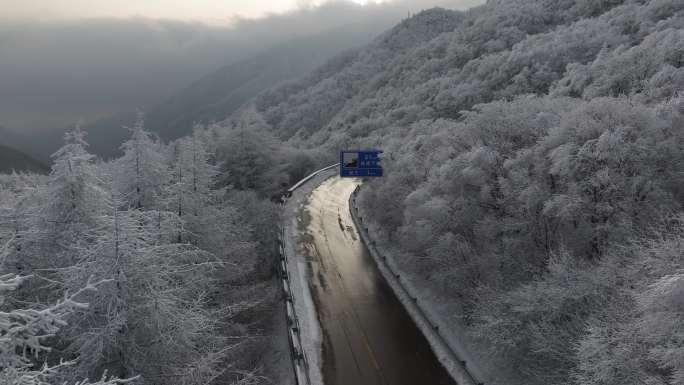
[299,361]
[422,312]
[309,177]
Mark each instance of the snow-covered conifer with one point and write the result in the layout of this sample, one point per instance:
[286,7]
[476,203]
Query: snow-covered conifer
[141,172]
[151,319]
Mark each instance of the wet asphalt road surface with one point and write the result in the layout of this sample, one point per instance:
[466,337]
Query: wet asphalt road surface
[368,338]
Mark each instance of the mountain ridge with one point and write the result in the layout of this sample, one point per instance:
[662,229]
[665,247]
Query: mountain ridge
[12,160]
[218,94]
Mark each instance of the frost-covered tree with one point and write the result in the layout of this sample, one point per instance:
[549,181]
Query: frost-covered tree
[246,156]
[10,220]
[632,337]
[151,318]
[24,332]
[76,191]
[58,213]
[662,305]
[141,172]
[192,193]
[75,187]
[210,219]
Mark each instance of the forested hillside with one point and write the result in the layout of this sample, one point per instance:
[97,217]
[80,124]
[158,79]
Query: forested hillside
[534,175]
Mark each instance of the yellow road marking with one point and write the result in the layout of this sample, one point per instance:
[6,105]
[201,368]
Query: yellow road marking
[370,351]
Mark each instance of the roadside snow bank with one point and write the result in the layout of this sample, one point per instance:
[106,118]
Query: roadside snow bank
[308,330]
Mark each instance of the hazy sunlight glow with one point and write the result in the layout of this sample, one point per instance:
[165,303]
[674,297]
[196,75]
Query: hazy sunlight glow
[213,11]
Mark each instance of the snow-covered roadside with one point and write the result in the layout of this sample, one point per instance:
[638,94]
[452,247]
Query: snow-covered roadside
[297,267]
[442,335]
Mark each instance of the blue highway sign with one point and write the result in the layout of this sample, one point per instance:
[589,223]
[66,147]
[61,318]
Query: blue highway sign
[359,164]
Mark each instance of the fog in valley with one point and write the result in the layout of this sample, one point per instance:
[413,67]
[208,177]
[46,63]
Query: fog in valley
[55,73]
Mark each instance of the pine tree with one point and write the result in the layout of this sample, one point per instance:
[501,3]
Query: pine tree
[151,319]
[23,333]
[192,194]
[75,196]
[141,172]
[48,219]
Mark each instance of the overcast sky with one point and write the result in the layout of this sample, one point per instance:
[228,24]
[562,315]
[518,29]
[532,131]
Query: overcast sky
[210,11]
[63,61]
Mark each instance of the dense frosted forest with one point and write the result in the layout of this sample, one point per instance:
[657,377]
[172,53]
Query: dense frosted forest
[151,267]
[534,162]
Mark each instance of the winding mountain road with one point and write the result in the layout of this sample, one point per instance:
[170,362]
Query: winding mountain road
[368,337]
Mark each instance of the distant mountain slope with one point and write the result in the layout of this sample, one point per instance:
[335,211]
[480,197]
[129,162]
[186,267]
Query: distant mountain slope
[380,73]
[219,94]
[14,160]
[440,63]
[39,147]
[104,136]
[213,97]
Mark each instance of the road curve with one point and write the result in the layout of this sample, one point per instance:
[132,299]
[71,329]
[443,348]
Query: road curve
[368,337]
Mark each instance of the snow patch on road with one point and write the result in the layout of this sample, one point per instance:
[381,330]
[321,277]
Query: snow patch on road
[298,270]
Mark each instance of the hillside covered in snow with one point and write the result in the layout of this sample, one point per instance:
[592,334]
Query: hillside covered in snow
[533,157]
[533,188]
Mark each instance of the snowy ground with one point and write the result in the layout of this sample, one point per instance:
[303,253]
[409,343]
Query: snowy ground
[298,272]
